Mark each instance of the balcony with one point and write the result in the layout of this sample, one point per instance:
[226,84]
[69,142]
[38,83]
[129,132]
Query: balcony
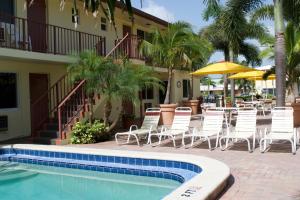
[23,34]
[128,47]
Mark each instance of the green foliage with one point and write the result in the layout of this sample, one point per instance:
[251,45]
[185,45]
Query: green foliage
[88,133]
[98,6]
[292,48]
[291,12]
[112,81]
[231,28]
[176,48]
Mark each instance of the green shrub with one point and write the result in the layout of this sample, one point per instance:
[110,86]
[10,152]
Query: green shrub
[87,133]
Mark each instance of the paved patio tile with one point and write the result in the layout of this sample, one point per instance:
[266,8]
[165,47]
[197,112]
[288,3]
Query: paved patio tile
[272,175]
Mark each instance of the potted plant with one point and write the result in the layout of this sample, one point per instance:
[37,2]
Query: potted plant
[228,102]
[192,103]
[173,48]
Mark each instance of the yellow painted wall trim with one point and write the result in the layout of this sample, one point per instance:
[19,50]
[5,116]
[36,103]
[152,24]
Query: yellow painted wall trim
[34,56]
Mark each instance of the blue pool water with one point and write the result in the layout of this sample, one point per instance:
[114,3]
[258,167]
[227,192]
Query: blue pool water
[37,182]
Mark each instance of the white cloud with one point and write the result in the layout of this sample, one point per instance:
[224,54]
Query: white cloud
[159,11]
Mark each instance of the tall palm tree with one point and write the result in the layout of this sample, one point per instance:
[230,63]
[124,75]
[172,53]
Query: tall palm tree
[112,81]
[232,25]
[279,53]
[288,10]
[174,48]
[292,58]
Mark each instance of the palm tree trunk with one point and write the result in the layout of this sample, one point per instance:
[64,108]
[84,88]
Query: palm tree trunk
[225,79]
[279,53]
[91,114]
[232,85]
[115,122]
[107,111]
[168,92]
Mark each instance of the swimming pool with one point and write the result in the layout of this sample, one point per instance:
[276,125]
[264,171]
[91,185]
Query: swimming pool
[35,182]
[52,172]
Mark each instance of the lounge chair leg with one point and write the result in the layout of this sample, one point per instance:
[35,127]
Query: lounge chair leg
[174,143]
[220,141]
[217,141]
[253,148]
[159,140]
[249,145]
[192,143]
[128,139]
[137,140]
[209,145]
[226,143]
[263,145]
[116,137]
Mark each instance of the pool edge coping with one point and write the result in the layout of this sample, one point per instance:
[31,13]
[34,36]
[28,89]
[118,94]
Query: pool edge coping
[205,185]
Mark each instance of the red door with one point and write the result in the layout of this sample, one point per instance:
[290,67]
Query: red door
[38,86]
[127,45]
[36,15]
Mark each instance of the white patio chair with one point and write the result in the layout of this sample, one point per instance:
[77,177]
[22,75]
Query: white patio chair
[212,126]
[245,129]
[179,126]
[149,126]
[282,128]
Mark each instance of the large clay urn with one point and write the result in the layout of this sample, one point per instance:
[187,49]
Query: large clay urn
[193,104]
[296,107]
[167,113]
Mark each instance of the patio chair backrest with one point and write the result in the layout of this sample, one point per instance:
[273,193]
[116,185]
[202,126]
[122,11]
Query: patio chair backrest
[246,120]
[182,118]
[151,118]
[282,120]
[213,120]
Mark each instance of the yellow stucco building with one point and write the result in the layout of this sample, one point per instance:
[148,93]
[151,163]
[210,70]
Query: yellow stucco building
[35,45]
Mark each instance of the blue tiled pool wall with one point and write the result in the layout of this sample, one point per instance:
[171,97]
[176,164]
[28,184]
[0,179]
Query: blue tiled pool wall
[10,154]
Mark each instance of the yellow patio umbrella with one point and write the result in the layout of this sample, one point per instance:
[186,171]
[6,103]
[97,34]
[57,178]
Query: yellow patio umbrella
[271,77]
[251,75]
[221,68]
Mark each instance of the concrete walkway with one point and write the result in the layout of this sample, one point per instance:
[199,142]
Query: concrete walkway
[272,175]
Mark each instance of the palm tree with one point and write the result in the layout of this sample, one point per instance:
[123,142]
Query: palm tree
[292,49]
[114,82]
[290,11]
[231,28]
[175,48]
[207,81]
[244,85]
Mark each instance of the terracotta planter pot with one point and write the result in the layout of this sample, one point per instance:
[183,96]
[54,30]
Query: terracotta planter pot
[193,104]
[167,113]
[228,104]
[296,107]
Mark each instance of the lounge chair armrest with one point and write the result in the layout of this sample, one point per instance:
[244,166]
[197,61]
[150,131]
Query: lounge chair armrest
[132,128]
[163,129]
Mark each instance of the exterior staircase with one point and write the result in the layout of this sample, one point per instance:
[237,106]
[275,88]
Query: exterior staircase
[67,102]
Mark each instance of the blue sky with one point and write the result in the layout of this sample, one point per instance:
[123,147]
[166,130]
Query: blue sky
[174,10]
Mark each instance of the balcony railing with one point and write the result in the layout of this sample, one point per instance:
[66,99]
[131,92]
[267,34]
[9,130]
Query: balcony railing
[128,47]
[23,34]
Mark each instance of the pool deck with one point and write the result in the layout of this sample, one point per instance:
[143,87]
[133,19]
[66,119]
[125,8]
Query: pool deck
[272,175]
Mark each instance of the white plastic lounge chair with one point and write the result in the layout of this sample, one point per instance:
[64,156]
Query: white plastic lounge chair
[212,126]
[149,125]
[282,128]
[244,130]
[179,126]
